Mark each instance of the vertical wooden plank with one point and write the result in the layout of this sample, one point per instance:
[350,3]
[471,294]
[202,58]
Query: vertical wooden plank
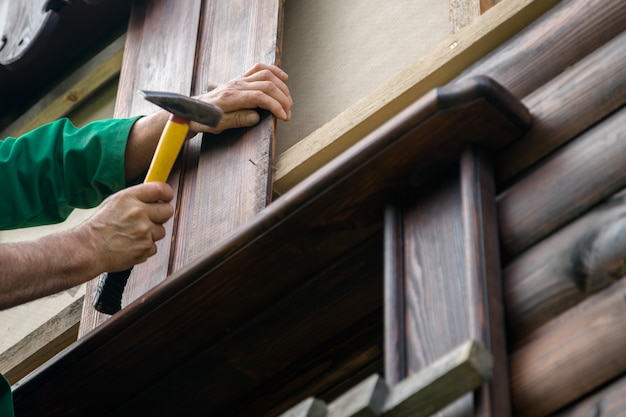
[484,277]
[159,55]
[228,177]
[451,288]
[394,338]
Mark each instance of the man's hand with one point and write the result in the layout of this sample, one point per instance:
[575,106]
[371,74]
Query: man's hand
[121,233]
[262,86]
[124,230]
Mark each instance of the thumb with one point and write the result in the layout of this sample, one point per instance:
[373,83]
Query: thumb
[240,118]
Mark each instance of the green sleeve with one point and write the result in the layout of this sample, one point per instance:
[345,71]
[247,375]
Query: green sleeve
[48,172]
[6,398]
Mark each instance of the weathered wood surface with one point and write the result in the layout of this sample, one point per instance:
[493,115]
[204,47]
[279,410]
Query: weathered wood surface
[533,207]
[446,61]
[571,30]
[228,178]
[458,372]
[606,402]
[570,356]
[463,369]
[159,55]
[450,273]
[582,95]
[323,218]
[42,343]
[285,338]
[568,266]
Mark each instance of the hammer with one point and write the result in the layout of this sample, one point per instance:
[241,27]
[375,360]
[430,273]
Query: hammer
[183,109]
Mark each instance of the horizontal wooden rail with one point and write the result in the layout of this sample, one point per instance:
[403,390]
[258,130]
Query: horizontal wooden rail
[458,372]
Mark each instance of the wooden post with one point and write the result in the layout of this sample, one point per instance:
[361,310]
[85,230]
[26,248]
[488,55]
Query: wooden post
[442,280]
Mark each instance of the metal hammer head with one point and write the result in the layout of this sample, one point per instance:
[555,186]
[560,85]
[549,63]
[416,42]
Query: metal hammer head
[185,107]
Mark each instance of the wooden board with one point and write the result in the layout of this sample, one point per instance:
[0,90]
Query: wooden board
[228,178]
[146,67]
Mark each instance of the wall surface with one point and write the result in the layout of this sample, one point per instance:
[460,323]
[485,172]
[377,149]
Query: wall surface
[337,52]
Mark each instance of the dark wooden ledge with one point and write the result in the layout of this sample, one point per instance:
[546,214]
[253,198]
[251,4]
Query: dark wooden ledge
[280,288]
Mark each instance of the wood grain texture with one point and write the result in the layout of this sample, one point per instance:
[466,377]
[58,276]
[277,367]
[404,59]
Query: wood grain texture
[483,276]
[451,275]
[459,371]
[570,356]
[609,401]
[42,343]
[228,178]
[560,38]
[325,217]
[565,106]
[579,179]
[159,55]
[566,267]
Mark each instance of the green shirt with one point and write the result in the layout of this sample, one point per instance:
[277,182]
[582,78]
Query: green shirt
[48,172]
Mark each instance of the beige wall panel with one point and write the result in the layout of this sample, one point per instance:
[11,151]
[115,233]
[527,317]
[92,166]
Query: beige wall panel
[337,52]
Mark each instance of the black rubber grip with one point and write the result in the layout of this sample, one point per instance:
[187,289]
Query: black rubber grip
[108,297]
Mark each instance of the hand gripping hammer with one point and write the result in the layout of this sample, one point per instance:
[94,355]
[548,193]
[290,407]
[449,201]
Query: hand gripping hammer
[183,109]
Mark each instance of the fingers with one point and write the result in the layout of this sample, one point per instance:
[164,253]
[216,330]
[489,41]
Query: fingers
[261,87]
[127,225]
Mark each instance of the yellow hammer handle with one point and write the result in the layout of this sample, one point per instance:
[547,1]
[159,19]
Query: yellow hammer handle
[167,150]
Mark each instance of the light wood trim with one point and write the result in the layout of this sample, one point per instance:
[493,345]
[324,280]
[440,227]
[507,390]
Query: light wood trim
[71,92]
[458,372]
[42,343]
[435,69]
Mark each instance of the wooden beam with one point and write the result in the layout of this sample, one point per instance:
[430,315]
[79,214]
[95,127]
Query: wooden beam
[578,97]
[572,355]
[609,401]
[42,343]
[458,372]
[72,91]
[560,38]
[533,208]
[571,264]
[447,61]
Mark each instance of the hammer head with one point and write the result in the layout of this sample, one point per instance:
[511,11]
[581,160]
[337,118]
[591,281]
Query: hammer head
[185,107]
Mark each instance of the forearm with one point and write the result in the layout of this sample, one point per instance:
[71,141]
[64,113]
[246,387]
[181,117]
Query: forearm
[142,142]
[34,269]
